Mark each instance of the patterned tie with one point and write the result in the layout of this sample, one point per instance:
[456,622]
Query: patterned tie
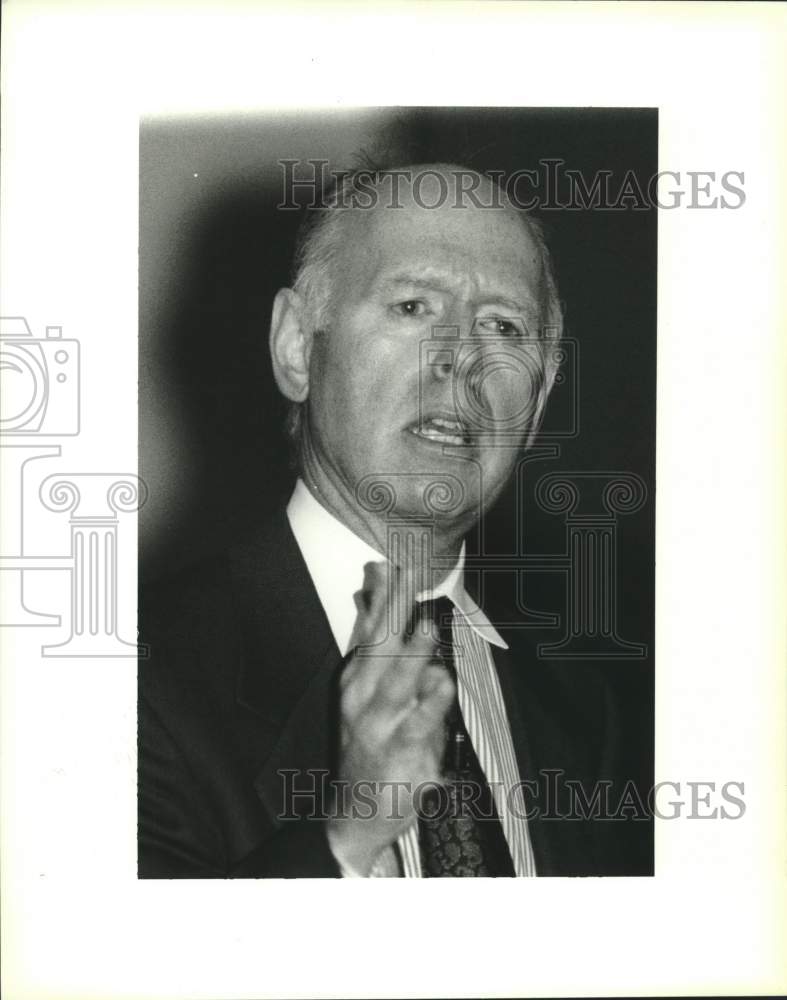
[459,830]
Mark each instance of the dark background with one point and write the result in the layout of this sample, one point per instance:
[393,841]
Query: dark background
[214,249]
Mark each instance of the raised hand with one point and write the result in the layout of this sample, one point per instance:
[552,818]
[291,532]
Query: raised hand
[394,698]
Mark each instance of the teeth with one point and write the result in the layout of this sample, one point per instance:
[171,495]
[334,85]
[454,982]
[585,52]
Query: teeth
[436,428]
[451,425]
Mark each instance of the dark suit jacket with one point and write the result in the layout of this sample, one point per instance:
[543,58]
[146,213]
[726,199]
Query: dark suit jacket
[240,685]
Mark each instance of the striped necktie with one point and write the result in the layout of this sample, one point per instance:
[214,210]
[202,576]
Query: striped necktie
[460,834]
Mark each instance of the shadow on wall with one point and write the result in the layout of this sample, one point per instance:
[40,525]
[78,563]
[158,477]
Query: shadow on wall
[214,249]
[215,414]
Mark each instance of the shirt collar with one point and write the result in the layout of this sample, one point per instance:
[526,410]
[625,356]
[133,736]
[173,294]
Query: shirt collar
[335,558]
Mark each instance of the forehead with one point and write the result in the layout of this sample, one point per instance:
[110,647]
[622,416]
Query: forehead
[472,250]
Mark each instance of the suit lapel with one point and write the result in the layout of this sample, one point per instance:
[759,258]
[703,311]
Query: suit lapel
[526,758]
[560,846]
[290,661]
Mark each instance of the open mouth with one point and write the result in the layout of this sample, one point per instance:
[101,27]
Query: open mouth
[441,430]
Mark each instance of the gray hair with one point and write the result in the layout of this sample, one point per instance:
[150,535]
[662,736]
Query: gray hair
[321,241]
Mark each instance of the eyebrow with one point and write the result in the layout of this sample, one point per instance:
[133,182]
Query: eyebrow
[433,285]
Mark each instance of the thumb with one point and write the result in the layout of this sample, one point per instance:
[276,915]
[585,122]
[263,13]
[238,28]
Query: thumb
[436,693]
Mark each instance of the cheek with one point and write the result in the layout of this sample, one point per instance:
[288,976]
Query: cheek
[331,369]
[363,372]
[342,391]
[518,399]
[513,392]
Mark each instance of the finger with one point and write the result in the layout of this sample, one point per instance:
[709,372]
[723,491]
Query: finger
[436,695]
[374,638]
[425,623]
[370,605]
[362,599]
[363,624]
[431,697]
[375,580]
[375,587]
[388,657]
[390,597]
[433,677]
[403,613]
[399,684]
[379,582]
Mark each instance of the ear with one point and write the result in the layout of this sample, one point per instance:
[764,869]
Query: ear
[290,344]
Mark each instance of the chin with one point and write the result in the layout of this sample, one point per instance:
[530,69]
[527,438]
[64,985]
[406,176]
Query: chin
[433,493]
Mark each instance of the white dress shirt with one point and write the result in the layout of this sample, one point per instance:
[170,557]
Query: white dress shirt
[335,558]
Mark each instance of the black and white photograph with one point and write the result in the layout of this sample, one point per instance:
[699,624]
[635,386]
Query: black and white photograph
[398,418]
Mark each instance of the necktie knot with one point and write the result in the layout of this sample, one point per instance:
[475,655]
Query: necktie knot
[440,612]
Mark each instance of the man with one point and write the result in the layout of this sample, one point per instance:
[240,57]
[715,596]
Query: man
[314,700]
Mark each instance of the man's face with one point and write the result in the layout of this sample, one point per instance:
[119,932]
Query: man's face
[383,401]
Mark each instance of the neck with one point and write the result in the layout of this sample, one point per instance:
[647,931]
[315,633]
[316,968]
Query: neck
[429,550]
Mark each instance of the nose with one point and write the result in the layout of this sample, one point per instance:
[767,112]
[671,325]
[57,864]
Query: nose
[443,351]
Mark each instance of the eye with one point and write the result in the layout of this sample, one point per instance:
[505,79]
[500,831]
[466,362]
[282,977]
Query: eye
[410,307]
[502,326]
